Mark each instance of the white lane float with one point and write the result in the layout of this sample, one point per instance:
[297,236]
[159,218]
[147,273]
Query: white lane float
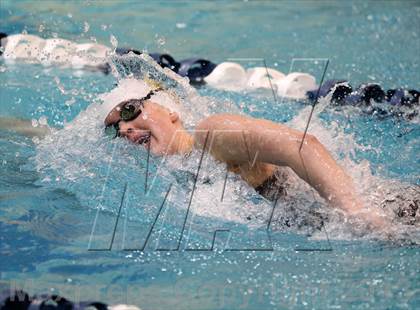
[227,76]
[90,55]
[232,76]
[54,51]
[261,77]
[57,51]
[23,47]
[295,85]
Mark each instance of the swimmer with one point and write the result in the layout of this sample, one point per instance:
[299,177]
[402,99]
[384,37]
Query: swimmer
[253,148]
[256,149]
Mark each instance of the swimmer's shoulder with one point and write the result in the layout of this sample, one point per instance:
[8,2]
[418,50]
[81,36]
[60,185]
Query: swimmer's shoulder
[228,140]
[227,121]
[235,123]
[232,132]
[221,121]
[225,132]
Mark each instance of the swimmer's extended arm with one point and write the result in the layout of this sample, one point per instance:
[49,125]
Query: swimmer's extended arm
[237,139]
[23,127]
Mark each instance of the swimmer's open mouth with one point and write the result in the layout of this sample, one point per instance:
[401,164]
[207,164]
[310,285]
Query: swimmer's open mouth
[144,139]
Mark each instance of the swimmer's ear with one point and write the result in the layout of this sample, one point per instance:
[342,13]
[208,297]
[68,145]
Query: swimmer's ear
[173,116]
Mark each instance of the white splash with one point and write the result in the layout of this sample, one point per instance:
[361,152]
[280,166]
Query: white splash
[83,160]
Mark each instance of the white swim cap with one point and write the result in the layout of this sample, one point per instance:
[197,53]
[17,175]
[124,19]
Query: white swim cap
[132,88]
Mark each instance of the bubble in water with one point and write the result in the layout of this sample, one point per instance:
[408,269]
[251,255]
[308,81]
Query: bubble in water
[41,28]
[114,41]
[181,25]
[160,40]
[43,120]
[86,27]
[59,85]
[70,101]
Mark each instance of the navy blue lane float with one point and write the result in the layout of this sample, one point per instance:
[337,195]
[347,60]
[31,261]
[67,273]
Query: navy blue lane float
[342,93]
[196,69]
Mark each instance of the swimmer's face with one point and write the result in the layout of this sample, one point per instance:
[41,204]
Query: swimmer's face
[155,125]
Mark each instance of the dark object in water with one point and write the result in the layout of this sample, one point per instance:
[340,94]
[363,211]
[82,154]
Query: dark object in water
[325,89]
[405,206]
[164,60]
[343,93]
[371,98]
[20,300]
[196,69]
[2,35]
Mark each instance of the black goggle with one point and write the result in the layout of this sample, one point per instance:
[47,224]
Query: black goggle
[129,111]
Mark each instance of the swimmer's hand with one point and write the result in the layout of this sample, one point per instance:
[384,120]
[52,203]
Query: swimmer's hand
[373,220]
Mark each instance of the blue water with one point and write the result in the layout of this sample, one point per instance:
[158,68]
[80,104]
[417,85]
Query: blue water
[46,219]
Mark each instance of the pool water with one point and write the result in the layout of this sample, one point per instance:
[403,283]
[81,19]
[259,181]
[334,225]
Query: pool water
[74,217]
